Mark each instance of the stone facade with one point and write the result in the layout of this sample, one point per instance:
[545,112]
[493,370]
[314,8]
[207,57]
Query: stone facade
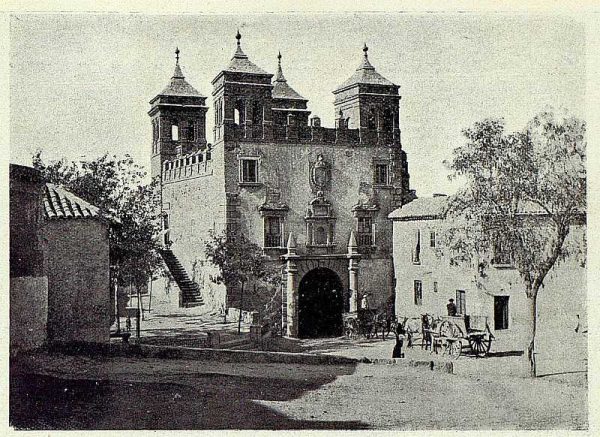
[560,301]
[278,177]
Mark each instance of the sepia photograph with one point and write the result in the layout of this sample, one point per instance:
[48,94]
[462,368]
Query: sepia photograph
[297,221]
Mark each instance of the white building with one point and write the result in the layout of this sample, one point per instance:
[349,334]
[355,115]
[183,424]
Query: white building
[426,280]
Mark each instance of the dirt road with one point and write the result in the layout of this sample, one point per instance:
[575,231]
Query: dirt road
[65,392]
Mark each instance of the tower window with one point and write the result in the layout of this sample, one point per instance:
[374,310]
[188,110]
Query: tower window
[372,120]
[381,174]
[432,239]
[249,171]
[175,132]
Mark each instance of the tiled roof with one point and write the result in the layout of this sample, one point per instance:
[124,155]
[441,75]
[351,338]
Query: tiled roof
[422,208]
[60,203]
[365,74]
[179,86]
[281,89]
[241,64]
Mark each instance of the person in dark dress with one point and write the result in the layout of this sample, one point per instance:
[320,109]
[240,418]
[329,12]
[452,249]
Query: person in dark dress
[400,333]
[451,308]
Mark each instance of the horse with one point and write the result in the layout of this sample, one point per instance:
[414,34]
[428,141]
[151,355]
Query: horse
[411,326]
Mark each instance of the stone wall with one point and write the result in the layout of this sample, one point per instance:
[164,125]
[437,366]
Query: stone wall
[28,312]
[562,297]
[78,280]
[196,204]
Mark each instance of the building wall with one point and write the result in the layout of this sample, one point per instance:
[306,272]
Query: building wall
[196,204]
[559,301]
[285,168]
[28,280]
[78,280]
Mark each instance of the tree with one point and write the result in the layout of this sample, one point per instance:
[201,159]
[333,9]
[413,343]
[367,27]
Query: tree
[241,261]
[118,188]
[523,193]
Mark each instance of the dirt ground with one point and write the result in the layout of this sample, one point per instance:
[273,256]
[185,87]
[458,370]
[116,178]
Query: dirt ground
[74,392]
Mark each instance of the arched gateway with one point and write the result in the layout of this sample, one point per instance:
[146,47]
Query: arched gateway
[320,304]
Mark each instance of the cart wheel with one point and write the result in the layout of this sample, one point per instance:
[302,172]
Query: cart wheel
[454,348]
[480,345]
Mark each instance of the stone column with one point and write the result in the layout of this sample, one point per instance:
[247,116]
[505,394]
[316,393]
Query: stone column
[353,260]
[292,288]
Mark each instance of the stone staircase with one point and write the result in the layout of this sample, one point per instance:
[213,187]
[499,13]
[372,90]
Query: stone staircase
[190,291]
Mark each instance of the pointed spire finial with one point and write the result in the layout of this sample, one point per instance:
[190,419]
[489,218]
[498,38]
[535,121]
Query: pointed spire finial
[279,77]
[177,55]
[238,37]
[366,50]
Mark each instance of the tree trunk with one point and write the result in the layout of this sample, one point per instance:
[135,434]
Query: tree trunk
[532,310]
[241,305]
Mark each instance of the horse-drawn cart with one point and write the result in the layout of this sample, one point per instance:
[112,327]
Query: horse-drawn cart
[360,323]
[451,334]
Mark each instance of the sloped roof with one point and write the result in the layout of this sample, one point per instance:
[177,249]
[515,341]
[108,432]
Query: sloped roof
[281,89]
[422,208]
[60,203]
[179,86]
[430,208]
[240,62]
[365,74]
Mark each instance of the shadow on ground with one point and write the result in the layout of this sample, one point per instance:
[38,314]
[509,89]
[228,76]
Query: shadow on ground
[202,401]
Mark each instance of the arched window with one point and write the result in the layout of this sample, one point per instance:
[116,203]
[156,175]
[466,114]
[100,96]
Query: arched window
[372,119]
[257,113]
[388,120]
[175,132]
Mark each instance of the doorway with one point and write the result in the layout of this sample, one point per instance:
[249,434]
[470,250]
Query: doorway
[320,304]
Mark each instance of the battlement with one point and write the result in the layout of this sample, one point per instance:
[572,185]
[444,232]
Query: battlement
[188,166]
[312,134]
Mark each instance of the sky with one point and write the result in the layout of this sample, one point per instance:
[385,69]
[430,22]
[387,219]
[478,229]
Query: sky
[80,83]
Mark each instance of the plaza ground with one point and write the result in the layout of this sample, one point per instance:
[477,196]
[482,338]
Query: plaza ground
[60,391]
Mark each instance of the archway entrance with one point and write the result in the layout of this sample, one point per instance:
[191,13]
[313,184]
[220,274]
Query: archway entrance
[320,304]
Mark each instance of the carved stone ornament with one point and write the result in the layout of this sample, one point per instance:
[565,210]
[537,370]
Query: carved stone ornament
[320,175]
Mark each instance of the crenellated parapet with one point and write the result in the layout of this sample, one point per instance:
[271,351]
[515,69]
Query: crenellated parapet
[193,165]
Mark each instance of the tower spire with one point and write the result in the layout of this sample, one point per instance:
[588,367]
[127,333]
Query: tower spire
[279,77]
[365,65]
[178,74]
[238,51]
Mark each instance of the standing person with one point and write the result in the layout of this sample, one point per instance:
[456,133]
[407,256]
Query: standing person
[451,308]
[400,332]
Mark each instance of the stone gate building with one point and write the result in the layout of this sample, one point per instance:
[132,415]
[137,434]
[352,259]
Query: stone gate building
[315,198]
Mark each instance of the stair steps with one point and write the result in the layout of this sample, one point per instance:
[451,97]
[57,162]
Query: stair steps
[191,296]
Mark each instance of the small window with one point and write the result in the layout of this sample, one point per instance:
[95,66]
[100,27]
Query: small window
[435,287]
[273,232]
[432,241]
[372,120]
[500,312]
[364,233]
[461,304]
[381,174]
[175,132]
[249,171]
[416,255]
[418,293]
[320,236]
